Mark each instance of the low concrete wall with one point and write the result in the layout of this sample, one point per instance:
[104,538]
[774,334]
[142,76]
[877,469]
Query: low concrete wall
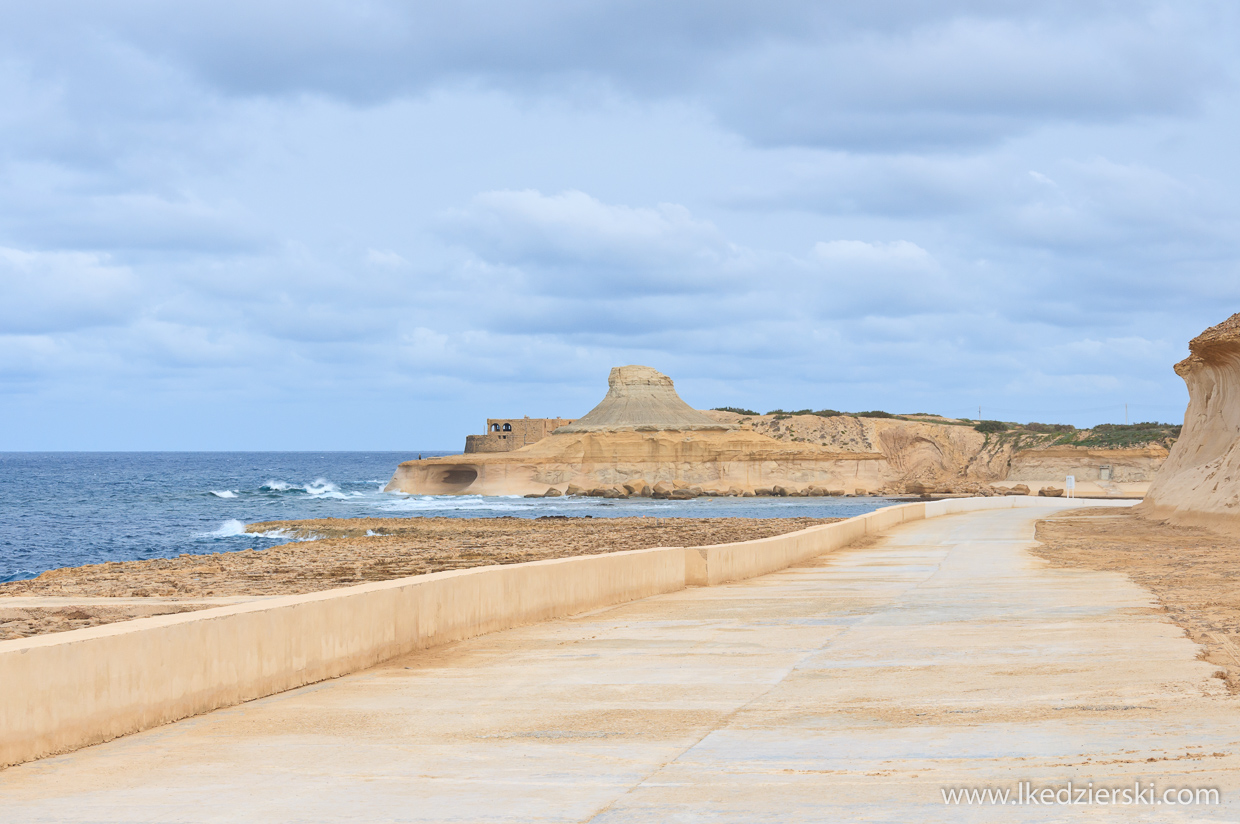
[67,690]
[747,559]
[71,689]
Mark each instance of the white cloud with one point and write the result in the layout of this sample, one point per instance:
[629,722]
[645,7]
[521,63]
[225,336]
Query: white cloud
[572,243]
[900,254]
[52,291]
[385,258]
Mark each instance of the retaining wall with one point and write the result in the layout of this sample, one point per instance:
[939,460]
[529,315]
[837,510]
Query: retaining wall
[67,690]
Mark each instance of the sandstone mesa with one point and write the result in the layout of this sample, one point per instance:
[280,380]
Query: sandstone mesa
[643,440]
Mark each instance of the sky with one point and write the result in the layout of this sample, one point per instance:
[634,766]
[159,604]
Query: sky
[371,225]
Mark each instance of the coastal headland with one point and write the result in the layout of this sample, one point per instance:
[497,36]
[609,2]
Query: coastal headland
[643,440]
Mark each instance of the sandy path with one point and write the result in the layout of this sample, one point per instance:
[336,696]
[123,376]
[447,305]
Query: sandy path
[1194,573]
[853,689]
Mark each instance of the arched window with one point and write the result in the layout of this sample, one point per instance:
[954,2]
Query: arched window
[494,427]
[507,427]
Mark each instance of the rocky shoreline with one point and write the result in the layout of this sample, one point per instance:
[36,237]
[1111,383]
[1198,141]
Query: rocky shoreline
[331,553]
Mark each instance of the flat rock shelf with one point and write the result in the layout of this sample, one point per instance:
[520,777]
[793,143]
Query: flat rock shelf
[329,553]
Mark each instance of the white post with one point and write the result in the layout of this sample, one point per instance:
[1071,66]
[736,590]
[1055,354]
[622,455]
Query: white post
[1069,485]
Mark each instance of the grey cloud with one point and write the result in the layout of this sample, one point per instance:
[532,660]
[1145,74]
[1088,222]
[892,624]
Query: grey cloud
[445,207]
[571,243]
[963,82]
[893,76]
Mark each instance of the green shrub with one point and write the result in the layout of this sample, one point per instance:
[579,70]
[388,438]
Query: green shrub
[874,414]
[1118,435]
[988,427]
[735,409]
[1050,428]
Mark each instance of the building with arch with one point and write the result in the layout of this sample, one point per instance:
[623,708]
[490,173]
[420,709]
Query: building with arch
[507,434]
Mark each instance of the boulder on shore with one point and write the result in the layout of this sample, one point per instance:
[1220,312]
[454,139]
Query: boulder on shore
[637,488]
[1050,492]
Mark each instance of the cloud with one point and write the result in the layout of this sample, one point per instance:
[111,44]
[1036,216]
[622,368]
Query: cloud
[383,205]
[53,291]
[892,77]
[963,80]
[385,258]
[899,254]
[572,243]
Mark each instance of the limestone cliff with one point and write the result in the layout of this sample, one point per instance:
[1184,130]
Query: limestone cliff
[642,432]
[1200,481]
[950,455]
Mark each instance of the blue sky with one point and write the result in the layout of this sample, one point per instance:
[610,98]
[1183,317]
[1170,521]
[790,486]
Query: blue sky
[371,225]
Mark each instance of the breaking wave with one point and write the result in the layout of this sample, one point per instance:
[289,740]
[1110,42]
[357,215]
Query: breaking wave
[318,488]
[233,528]
[285,535]
[323,488]
[229,529]
[223,493]
[430,503]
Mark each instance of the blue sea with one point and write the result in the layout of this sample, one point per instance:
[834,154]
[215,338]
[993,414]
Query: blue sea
[60,509]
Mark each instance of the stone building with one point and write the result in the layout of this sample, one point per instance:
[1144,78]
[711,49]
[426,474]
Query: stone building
[507,434]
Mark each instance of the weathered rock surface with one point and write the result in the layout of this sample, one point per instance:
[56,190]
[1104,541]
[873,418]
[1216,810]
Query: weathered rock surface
[1199,484]
[642,399]
[946,455]
[643,433]
[637,488]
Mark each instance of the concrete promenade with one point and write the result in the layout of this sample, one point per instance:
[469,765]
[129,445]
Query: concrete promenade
[850,689]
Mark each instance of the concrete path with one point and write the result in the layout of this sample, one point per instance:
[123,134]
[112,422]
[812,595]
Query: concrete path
[854,689]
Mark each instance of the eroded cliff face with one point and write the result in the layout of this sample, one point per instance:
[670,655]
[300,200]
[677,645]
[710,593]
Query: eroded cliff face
[716,461]
[953,457]
[642,431]
[1200,481]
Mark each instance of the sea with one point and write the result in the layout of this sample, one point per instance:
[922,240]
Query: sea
[64,509]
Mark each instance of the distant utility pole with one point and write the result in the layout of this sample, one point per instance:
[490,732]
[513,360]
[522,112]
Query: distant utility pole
[979,413]
[1125,414]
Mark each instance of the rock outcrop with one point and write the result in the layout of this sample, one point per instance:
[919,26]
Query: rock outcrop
[643,435]
[1199,483]
[641,399]
[941,456]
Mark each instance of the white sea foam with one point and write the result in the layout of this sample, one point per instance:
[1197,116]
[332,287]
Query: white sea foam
[424,503]
[229,529]
[278,486]
[223,493]
[323,488]
[285,535]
